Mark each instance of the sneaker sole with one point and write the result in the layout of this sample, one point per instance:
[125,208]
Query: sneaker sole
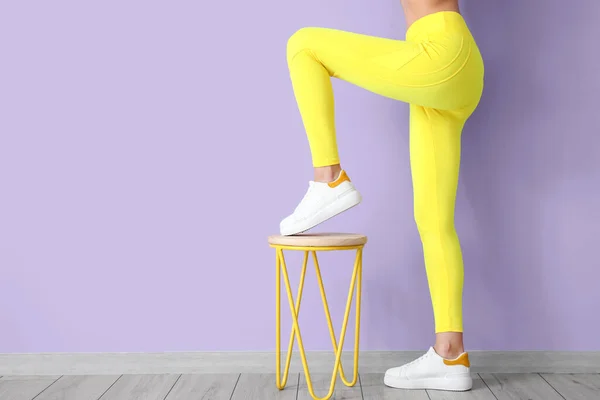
[456,384]
[344,203]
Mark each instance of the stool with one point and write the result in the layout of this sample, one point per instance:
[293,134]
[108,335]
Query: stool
[310,244]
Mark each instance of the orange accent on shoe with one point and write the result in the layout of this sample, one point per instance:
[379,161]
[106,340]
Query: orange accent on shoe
[342,178]
[463,359]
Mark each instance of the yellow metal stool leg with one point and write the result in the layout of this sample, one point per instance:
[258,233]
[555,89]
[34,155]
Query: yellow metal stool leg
[357,265]
[295,309]
[281,261]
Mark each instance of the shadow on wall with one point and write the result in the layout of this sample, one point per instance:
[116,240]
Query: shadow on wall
[531,133]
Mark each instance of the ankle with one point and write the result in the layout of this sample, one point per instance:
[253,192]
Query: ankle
[449,345]
[327,174]
[447,351]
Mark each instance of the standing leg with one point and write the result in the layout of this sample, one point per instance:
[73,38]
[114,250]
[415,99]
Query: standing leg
[435,160]
[435,138]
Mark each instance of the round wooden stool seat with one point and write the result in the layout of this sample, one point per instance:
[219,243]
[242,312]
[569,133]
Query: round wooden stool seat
[319,240]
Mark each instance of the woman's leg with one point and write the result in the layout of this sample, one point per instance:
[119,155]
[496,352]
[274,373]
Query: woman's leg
[382,66]
[435,138]
[435,160]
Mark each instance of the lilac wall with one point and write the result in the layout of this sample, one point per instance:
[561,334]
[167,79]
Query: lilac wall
[148,148]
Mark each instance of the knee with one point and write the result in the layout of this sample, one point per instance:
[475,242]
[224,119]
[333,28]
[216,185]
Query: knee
[303,39]
[430,223]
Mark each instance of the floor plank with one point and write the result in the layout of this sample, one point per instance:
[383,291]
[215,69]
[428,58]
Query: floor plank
[262,386]
[80,387]
[141,387]
[575,386]
[204,387]
[520,386]
[320,383]
[24,387]
[374,389]
[479,392]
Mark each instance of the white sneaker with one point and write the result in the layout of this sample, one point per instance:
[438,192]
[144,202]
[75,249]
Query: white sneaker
[431,371]
[321,202]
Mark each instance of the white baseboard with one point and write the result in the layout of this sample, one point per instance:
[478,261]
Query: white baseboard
[264,362]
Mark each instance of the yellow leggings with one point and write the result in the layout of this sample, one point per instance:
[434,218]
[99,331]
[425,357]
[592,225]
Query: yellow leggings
[439,71]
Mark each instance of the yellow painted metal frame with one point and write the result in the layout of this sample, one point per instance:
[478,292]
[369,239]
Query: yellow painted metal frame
[295,310]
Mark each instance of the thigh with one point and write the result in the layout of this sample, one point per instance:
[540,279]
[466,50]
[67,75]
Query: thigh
[397,69]
[372,63]
[435,139]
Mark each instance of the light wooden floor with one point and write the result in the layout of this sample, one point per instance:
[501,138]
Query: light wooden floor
[262,387]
